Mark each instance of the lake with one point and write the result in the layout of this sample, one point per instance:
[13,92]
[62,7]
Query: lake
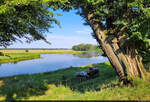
[49,62]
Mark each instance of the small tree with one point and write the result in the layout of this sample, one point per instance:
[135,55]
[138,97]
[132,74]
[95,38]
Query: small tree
[26,50]
[1,54]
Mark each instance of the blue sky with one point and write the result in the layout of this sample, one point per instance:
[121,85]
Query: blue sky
[72,32]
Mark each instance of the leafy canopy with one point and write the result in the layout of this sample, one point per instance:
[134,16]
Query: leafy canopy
[120,17]
[133,15]
[26,18]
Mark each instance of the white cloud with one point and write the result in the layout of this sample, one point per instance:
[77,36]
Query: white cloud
[84,31]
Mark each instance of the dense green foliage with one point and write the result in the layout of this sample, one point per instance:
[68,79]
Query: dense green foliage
[25,18]
[128,18]
[84,47]
[121,17]
[63,85]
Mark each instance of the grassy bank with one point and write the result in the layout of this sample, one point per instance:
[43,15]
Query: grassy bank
[63,85]
[15,57]
[18,56]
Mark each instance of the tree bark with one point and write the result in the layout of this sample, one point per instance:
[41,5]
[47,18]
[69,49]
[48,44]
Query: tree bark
[125,60]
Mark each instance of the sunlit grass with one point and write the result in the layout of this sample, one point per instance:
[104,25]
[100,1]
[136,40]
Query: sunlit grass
[15,57]
[63,85]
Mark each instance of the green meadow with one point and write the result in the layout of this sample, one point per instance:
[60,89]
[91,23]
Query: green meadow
[64,85]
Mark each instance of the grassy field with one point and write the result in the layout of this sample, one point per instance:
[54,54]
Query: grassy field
[63,85]
[19,55]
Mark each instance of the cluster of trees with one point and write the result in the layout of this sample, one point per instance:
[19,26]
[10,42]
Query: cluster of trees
[124,36]
[84,47]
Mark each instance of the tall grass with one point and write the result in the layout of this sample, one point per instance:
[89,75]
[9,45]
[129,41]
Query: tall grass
[63,85]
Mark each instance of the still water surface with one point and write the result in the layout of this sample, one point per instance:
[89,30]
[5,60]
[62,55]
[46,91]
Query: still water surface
[48,62]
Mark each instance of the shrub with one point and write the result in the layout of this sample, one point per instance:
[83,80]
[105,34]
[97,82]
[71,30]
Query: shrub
[26,50]
[1,54]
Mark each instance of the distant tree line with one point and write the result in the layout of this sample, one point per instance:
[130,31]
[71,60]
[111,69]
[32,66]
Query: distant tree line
[84,47]
[35,48]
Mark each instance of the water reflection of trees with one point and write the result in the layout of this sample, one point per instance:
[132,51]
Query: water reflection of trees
[88,55]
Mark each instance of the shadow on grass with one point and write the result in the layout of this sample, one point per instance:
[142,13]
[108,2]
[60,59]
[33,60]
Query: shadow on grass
[25,86]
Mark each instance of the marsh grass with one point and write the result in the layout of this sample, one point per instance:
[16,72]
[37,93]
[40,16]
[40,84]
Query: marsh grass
[15,57]
[63,85]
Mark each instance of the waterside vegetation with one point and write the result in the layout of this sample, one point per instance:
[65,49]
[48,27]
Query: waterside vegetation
[19,55]
[63,85]
[15,57]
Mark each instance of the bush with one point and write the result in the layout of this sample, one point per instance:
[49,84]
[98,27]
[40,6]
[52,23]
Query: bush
[1,54]
[27,50]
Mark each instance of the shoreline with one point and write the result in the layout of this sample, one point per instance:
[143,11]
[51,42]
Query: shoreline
[55,71]
[64,85]
[16,57]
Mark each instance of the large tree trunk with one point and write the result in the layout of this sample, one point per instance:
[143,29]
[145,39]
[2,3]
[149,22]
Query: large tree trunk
[125,60]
